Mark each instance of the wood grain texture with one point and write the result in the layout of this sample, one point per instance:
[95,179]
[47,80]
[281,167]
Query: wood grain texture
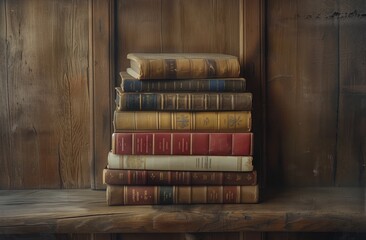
[85,211]
[302,92]
[253,69]
[101,87]
[176,26]
[5,130]
[138,27]
[46,123]
[351,148]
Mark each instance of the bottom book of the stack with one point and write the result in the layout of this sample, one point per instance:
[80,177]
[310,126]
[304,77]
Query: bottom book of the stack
[150,195]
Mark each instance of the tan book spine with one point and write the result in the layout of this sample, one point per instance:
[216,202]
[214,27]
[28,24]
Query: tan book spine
[182,66]
[142,195]
[180,163]
[233,121]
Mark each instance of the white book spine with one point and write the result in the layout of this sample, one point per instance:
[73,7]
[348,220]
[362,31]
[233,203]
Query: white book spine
[181,163]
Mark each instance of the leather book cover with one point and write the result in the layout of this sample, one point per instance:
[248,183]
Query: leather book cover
[217,121]
[152,195]
[127,101]
[182,65]
[161,177]
[176,143]
[130,84]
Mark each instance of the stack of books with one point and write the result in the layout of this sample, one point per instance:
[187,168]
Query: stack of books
[182,132]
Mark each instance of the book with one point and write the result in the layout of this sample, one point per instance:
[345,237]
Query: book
[182,65]
[205,101]
[218,121]
[180,163]
[182,143]
[130,84]
[151,195]
[160,177]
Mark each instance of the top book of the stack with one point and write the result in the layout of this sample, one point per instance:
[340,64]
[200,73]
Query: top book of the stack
[182,65]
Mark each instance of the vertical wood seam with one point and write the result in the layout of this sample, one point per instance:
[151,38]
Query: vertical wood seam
[262,75]
[242,30]
[91,94]
[9,145]
[335,160]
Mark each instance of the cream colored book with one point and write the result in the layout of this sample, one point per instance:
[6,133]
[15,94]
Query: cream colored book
[180,163]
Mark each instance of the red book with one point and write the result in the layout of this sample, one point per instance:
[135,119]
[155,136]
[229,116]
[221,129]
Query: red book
[176,143]
[142,195]
[162,177]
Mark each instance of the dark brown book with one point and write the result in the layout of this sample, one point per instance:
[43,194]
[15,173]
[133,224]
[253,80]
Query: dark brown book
[194,178]
[130,84]
[205,101]
[150,195]
[182,65]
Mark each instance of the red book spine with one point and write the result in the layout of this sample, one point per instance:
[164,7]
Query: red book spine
[161,177]
[142,195]
[148,143]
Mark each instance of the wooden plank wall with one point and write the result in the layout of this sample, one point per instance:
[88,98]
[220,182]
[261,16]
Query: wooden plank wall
[315,85]
[101,57]
[176,26]
[351,147]
[44,103]
[316,119]
[316,92]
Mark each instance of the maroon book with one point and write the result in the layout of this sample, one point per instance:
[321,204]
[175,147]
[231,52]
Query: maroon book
[161,177]
[160,143]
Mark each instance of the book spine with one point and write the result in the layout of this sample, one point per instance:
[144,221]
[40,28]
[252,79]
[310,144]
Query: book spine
[142,195]
[187,68]
[180,163]
[160,177]
[219,121]
[159,143]
[196,85]
[184,101]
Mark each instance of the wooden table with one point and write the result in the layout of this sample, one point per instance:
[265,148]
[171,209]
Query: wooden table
[85,211]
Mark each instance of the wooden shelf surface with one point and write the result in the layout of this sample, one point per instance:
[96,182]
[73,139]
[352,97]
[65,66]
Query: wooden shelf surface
[85,211]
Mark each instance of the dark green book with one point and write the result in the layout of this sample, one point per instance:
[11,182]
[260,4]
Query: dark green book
[130,84]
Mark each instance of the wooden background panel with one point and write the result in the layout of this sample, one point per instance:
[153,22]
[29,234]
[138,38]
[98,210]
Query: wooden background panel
[5,156]
[302,92]
[138,29]
[101,92]
[351,158]
[200,26]
[253,69]
[176,26]
[281,82]
[47,95]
